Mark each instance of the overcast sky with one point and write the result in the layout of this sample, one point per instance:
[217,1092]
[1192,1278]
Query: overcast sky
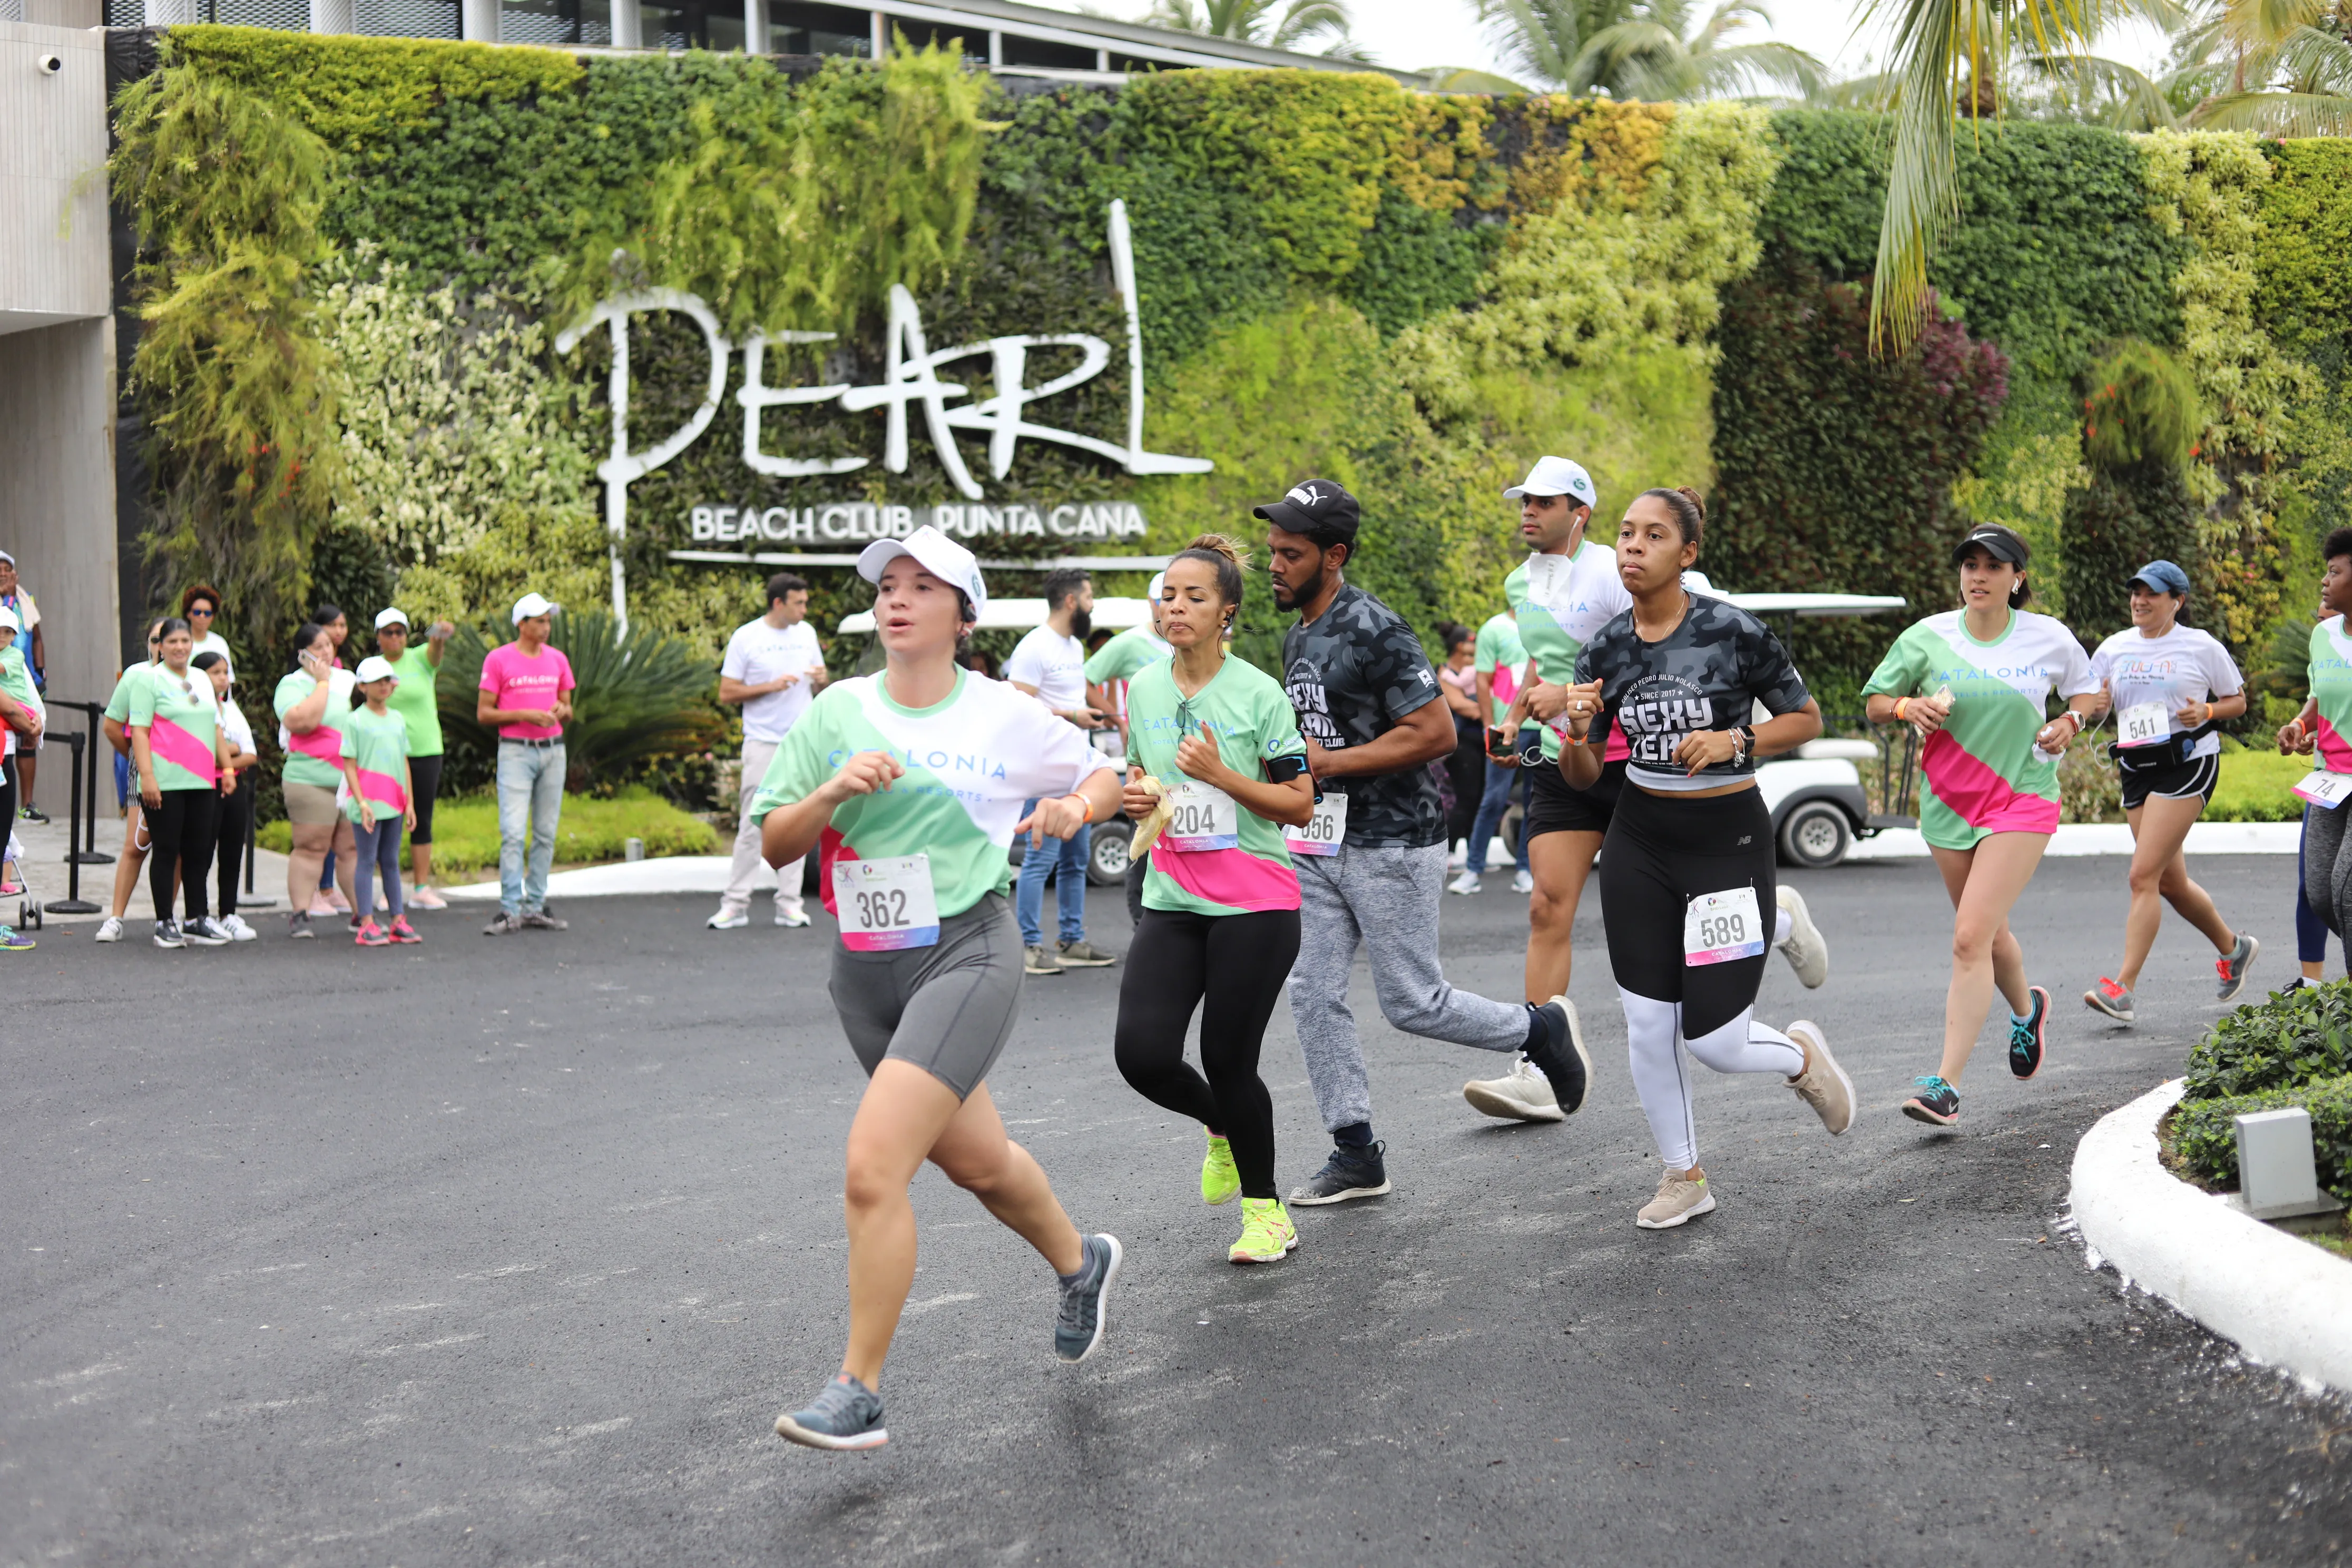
[1411,33]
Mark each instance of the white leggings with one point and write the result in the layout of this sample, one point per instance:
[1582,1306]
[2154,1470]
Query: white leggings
[1662,1080]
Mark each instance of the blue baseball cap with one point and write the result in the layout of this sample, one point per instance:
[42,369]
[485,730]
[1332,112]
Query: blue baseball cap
[2163,576]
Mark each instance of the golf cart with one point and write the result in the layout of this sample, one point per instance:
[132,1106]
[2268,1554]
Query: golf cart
[1106,850]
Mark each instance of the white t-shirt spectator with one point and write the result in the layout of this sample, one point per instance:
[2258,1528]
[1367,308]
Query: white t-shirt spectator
[758,653]
[239,732]
[213,642]
[1056,664]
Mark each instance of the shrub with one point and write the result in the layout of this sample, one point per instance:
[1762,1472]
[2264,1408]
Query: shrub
[465,831]
[2292,1037]
[2204,1134]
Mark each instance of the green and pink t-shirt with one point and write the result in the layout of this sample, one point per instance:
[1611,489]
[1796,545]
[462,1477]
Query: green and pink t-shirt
[1984,772]
[317,758]
[1560,603]
[377,745]
[1498,655]
[182,718]
[1250,715]
[973,760]
[2331,688]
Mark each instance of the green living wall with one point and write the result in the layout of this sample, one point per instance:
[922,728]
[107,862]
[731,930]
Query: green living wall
[1412,294]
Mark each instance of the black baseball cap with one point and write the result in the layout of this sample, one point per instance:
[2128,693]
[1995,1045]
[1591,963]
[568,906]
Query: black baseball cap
[1996,542]
[1322,511]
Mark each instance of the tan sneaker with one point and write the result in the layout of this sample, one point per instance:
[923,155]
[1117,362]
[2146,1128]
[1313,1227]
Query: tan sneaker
[1823,1084]
[1522,1094]
[1679,1198]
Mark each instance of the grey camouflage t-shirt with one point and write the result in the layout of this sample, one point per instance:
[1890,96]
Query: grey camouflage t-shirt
[1351,675]
[1707,674]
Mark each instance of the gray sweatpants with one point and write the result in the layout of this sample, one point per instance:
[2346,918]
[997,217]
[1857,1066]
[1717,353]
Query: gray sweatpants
[1385,900]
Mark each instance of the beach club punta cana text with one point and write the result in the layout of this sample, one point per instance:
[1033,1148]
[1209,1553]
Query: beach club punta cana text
[910,379]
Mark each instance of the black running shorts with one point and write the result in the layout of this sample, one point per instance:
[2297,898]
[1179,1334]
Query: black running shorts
[2199,776]
[1558,806]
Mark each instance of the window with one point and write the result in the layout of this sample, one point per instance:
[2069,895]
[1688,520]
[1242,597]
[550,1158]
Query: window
[396,18]
[556,21]
[971,41]
[693,25]
[797,29]
[1021,51]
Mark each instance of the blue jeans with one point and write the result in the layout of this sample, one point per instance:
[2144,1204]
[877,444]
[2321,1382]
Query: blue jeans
[1496,801]
[1069,888]
[531,799]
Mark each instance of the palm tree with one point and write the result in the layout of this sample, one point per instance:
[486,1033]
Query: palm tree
[1651,49]
[2279,68]
[1296,24]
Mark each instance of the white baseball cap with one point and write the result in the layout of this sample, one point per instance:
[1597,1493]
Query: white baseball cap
[1557,477]
[529,604]
[9,622]
[375,667]
[390,618]
[935,552]
[1151,590]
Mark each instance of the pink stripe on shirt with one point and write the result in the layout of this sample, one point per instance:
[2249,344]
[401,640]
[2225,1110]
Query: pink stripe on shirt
[181,749]
[383,789]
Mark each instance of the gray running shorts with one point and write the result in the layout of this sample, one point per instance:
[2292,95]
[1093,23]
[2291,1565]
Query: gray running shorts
[946,1008]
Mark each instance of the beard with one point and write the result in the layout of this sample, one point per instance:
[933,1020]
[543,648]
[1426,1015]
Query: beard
[1291,597]
[1082,623]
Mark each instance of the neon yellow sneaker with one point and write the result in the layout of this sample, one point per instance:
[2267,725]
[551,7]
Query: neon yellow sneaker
[1267,1235]
[1219,1183]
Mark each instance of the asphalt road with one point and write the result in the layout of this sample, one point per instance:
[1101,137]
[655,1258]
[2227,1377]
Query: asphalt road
[510,1251]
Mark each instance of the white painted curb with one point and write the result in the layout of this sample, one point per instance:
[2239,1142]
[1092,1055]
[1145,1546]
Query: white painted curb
[2284,1301]
[2108,838]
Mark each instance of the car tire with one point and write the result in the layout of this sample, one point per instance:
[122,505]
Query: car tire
[1815,834]
[1107,853]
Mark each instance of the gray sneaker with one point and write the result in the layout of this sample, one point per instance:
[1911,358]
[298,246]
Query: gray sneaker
[2233,968]
[845,1413]
[205,931]
[1083,955]
[502,923]
[298,925]
[1347,1174]
[1079,1327]
[167,934]
[1037,961]
[541,920]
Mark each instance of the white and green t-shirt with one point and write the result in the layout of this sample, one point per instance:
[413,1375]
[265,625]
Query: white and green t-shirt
[1120,657]
[182,719]
[118,706]
[16,680]
[971,762]
[378,747]
[1499,654]
[2331,688]
[2157,677]
[1249,714]
[1559,602]
[1984,772]
[315,758]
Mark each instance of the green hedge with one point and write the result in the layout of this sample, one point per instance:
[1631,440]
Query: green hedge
[2292,1037]
[466,831]
[2204,1134]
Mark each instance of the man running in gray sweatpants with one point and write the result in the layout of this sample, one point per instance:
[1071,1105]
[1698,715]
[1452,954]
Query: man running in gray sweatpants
[1372,865]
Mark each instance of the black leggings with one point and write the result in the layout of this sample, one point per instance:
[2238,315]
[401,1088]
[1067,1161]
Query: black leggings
[8,798]
[1170,968]
[181,829]
[235,816]
[424,782]
[1662,852]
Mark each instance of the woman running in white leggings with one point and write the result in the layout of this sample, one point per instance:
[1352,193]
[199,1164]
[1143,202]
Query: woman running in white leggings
[1686,868]
[910,781]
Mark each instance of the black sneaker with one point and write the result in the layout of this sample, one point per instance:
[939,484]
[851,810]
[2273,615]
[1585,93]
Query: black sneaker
[1561,1056]
[1938,1103]
[1347,1174]
[2025,1041]
[844,1414]
[167,934]
[35,814]
[1079,1325]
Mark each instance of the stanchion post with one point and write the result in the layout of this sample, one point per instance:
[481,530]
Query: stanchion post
[72,903]
[87,852]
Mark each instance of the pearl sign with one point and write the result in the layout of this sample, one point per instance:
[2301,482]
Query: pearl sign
[910,378]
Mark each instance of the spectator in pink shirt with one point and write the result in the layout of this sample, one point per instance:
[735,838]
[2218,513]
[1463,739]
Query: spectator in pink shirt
[526,695]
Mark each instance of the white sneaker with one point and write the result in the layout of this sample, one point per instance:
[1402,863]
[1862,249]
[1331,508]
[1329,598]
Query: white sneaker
[237,929]
[1460,859]
[1523,882]
[205,932]
[1522,1094]
[110,929]
[793,918]
[425,899]
[1822,1084]
[1465,884]
[1807,950]
[722,920]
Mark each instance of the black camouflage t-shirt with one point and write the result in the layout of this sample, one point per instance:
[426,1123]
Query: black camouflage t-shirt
[1707,674]
[1351,675]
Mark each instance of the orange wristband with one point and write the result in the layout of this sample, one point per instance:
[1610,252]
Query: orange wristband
[1900,704]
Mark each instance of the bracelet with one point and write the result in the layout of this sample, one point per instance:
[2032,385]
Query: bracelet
[1900,704]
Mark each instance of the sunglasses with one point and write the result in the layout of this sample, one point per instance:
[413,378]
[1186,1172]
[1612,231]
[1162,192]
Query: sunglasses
[207,614]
